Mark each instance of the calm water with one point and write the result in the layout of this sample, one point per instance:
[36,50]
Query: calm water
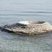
[12,11]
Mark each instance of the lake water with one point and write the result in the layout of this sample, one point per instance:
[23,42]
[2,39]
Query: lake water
[12,11]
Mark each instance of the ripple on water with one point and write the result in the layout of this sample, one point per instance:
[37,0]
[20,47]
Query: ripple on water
[12,42]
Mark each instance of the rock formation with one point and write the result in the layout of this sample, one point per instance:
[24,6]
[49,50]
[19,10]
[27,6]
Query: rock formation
[28,27]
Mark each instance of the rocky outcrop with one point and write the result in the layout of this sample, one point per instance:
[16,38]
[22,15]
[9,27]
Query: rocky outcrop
[28,27]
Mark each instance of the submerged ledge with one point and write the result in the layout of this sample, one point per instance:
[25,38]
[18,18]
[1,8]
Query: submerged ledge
[28,27]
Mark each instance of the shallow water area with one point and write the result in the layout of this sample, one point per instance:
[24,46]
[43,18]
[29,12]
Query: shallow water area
[12,42]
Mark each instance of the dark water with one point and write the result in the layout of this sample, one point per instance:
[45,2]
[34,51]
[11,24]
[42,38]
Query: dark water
[12,11]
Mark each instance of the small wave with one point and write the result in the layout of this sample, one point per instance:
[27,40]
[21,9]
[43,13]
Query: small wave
[22,14]
[37,12]
[28,13]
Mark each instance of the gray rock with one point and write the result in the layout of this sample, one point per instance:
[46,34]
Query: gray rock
[31,28]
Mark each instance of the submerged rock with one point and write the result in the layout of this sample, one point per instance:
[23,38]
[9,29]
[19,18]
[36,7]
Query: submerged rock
[28,27]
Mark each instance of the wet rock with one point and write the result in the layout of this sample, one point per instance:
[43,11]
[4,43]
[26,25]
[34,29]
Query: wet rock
[31,28]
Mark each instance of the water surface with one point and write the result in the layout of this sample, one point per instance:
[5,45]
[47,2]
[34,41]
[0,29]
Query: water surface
[12,11]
